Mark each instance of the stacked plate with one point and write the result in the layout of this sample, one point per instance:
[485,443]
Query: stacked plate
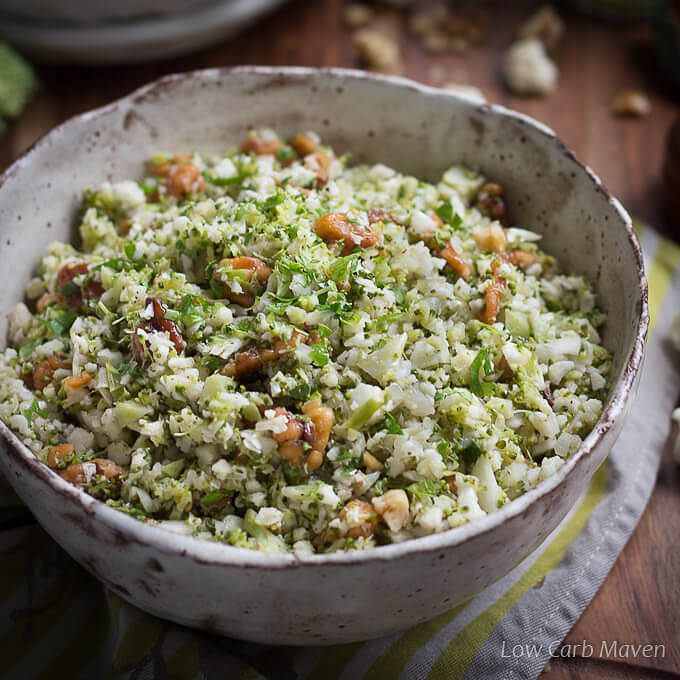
[124,31]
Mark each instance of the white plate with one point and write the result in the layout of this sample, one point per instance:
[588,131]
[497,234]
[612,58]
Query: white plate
[134,41]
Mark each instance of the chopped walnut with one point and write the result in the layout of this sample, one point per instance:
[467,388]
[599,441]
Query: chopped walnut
[157,323]
[293,427]
[379,52]
[358,16]
[261,147]
[336,226]
[304,144]
[422,23]
[75,295]
[459,45]
[77,381]
[183,180]
[522,259]
[393,507]
[491,238]
[58,454]
[360,518]
[436,42]
[75,473]
[371,462]
[490,201]
[492,295]
[47,299]
[631,103]
[455,261]
[546,25]
[463,26]
[252,359]
[43,372]
[254,275]
[323,420]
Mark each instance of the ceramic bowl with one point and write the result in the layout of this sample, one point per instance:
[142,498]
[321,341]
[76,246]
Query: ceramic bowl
[319,599]
[125,32]
[78,12]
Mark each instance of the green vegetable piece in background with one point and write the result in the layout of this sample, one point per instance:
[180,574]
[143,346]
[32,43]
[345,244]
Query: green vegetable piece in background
[17,83]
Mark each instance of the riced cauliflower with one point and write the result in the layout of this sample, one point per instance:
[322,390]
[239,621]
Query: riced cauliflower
[279,350]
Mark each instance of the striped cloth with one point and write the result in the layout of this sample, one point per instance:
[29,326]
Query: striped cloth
[57,622]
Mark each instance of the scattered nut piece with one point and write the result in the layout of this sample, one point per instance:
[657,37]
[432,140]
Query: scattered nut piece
[421,24]
[183,180]
[490,202]
[360,519]
[491,239]
[455,261]
[459,45]
[441,30]
[59,453]
[305,144]
[468,91]
[371,462]
[377,51]
[462,26]
[631,103]
[435,42]
[393,507]
[528,69]
[523,259]
[358,16]
[545,25]
[77,381]
[47,299]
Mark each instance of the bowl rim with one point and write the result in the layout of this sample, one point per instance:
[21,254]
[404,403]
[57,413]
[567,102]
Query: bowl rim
[127,529]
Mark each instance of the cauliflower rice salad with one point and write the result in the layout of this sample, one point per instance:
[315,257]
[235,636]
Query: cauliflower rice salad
[280,351]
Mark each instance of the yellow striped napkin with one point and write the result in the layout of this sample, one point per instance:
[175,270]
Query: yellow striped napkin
[57,622]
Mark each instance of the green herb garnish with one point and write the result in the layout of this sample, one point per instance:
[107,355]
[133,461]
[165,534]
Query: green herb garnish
[33,408]
[390,425]
[477,386]
[470,453]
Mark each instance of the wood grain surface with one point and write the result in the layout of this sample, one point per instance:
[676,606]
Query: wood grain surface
[640,600]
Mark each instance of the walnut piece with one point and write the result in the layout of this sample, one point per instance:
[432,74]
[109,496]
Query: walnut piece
[546,25]
[631,103]
[358,15]
[379,52]
[436,42]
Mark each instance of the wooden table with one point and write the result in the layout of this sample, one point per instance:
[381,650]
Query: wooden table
[640,600]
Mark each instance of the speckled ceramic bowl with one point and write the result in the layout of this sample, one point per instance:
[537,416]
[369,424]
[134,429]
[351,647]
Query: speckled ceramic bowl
[94,11]
[348,596]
